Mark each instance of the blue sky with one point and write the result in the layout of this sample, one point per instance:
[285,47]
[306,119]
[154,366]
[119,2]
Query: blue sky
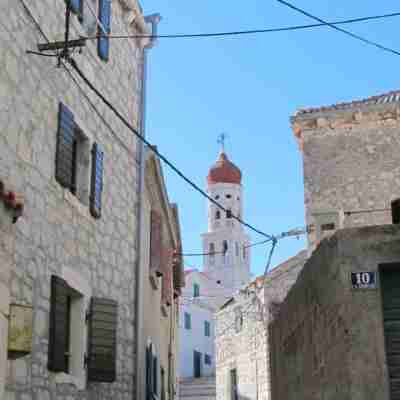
[248,87]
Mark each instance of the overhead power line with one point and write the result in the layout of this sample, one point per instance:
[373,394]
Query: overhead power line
[247,32]
[88,83]
[333,26]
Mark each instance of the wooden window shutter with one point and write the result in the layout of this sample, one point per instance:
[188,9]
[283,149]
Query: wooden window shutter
[75,5]
[156,243]
[166,294]
[65,171]
[59,325]
[96,188]
[103,44]
[149,372]
[102,340]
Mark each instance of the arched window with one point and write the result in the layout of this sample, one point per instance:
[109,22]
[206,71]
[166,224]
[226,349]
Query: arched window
[244,252]
[225,251]
[212,251]
[237,249]
[217,214]
[229,213]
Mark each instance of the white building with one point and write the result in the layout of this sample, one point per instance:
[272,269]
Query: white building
[226,269]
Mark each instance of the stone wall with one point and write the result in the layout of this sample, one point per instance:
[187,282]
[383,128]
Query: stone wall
[351,161]
[247,350]
[327,339]
[57,230]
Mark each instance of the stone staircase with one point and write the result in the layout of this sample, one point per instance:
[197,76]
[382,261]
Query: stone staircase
[197,388]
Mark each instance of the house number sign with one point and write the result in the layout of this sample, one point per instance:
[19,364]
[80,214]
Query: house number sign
[363,280]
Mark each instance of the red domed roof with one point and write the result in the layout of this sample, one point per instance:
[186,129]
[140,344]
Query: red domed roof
[224,171]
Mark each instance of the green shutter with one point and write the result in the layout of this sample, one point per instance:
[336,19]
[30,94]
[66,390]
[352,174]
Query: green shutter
[102,340]
[65,151]
[59,325]
[390,288]
[96,187]
[103,45]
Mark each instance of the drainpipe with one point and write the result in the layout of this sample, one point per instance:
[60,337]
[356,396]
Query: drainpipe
[153,19]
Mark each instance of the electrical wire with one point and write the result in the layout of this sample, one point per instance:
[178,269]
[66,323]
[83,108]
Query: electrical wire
[333,26]
[245,32]
[75,66]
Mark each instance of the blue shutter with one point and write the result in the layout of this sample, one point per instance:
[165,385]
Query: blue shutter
[76,6]
[96,188]
[103,45]
[65,148]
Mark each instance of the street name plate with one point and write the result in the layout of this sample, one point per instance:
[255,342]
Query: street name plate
[363,280]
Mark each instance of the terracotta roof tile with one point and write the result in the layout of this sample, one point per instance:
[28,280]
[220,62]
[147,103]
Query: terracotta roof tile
[390,97]
[224,171]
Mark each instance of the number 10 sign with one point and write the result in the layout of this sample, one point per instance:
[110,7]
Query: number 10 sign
[363,280]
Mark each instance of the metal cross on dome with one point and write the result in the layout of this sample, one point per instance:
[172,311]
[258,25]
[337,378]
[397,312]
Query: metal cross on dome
[221,140]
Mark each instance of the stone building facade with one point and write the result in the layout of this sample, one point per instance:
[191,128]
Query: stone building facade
[242,352]
[76,240]
[351,169]
[161,278]
[333,338]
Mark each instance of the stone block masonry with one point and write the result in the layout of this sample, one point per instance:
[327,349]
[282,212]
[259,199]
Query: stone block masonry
[242,337]
[350,156]
[327,340]
[57,231]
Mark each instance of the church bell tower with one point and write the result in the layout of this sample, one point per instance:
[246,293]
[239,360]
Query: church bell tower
[226,244]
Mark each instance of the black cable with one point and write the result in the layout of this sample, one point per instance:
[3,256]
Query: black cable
[333,26]
[36,53]
[366,211]
[245,32]
[271,252]
[75,66]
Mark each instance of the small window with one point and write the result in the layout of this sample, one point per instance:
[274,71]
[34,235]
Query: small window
[212,253]
[207,359]
[188,321]
[217,197]
[228,196]
[237,249]
[224,246]
[244,252]
[234,385]
[396,211]
[207,329]
[238,319]
[228,213]
[328,227]
[196,290]
[217,214]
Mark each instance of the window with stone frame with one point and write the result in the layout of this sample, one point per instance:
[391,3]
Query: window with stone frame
[188,321]
[78,168]
[207,359]
[212,253]
[196,290]
[207,328]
